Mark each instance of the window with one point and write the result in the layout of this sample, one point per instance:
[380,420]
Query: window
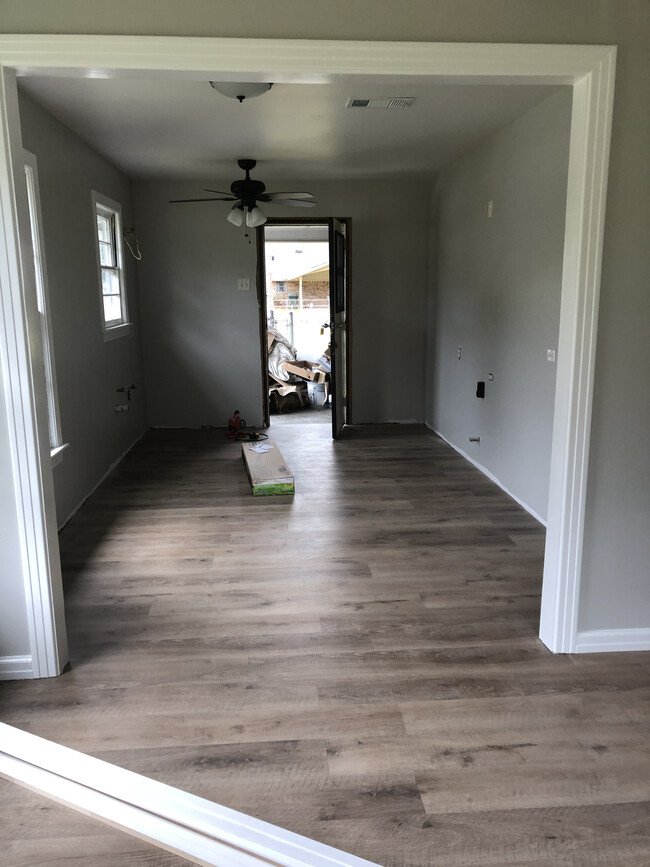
[108,233]
[42,301]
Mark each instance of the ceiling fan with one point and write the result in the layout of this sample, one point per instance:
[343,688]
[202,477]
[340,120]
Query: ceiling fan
[247,193]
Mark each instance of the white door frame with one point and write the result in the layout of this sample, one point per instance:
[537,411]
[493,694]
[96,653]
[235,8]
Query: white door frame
[590,69]
[26,400]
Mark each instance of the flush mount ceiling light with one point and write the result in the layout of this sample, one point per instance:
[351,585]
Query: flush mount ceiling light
[241,90]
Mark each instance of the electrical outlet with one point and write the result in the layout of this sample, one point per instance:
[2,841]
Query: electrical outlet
[460,352]
[243,284]
[550,355]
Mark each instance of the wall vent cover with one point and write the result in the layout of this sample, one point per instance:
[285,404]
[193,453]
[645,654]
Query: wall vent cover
[381,102]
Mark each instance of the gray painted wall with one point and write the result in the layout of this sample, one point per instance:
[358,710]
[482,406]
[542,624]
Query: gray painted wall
[201,337]
[88,370]
[498,298]
[615,586]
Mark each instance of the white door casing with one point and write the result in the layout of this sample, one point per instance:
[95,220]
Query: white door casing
[590,69]
[24,386]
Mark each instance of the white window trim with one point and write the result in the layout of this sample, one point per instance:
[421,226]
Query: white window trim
[57,454]
[57,446]
[112,332]
[125,327]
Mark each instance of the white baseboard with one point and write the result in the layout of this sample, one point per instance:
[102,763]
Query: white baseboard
[16,668]
[612,640]
[490,476]
[103,479]
[194,828]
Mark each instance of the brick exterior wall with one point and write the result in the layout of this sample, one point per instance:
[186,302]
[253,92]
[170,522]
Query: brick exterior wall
[314,292]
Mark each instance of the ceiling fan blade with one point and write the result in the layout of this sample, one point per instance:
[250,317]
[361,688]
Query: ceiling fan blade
[272,196]
[220,192]
[296,203]
[220,199]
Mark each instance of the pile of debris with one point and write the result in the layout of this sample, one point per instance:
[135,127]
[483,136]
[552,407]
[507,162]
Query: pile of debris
[295,383]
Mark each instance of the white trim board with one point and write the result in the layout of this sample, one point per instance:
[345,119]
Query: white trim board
[613,640]
[293,60]
[26,402]
[489,475]
[192,827]
[591,71]
[16,668]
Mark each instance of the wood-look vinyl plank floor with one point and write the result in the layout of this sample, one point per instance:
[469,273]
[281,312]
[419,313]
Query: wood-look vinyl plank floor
[358,663]
[38,832]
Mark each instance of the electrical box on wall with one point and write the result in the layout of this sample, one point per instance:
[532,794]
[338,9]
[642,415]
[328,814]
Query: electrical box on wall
[480,389]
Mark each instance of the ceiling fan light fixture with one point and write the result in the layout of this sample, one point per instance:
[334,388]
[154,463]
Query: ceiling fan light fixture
[246,193]
[241,90]
[255,217]
[236,215]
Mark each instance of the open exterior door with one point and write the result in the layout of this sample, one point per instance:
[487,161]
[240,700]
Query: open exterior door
[338,323]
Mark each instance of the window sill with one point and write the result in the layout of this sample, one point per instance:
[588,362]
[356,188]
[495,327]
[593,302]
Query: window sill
[56,454]
[116,331]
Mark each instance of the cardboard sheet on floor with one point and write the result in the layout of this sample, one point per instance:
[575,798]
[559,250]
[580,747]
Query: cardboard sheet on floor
[267,470]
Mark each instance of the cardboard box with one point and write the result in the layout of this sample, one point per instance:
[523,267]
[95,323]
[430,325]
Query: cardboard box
[325,361]
[267,470]
[306,370]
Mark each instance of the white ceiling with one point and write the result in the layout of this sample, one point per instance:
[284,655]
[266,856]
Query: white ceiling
[183,129]
[286,260]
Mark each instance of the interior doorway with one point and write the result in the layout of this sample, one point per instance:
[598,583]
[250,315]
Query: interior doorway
[303,291]
[297,292]
[590,70]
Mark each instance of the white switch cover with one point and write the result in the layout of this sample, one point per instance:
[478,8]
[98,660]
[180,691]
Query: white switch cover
[550,355]
[243,284]
[490,210]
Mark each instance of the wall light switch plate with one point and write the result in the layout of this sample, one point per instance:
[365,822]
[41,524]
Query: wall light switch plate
[243,284]
[490,210]
[550,355]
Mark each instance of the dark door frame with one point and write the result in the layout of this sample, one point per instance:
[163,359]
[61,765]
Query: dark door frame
[261,301]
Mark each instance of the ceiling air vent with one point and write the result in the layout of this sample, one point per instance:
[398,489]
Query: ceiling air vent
[381,102]
[400,102]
